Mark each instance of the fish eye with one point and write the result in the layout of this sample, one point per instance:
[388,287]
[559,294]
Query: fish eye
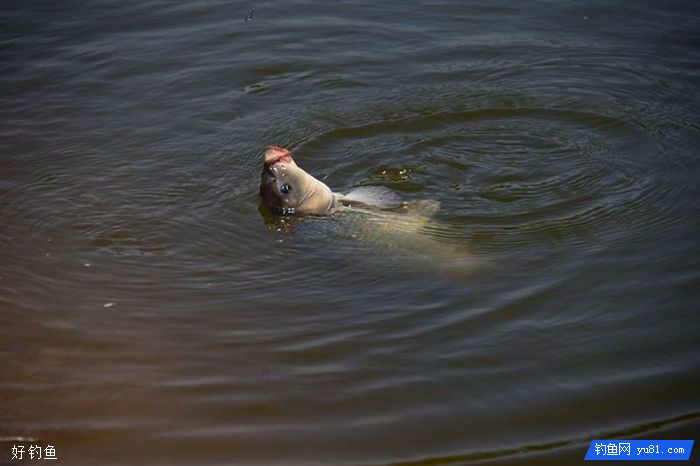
[286,189]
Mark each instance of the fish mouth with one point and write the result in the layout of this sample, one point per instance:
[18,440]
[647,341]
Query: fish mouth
[276,154]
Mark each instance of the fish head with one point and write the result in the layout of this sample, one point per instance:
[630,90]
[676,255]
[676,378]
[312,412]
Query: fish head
[288,189]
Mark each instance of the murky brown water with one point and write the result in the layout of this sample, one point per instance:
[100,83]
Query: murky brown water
[150,314]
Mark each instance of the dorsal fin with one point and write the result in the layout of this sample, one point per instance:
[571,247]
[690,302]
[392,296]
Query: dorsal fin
[421,207]
[373,196]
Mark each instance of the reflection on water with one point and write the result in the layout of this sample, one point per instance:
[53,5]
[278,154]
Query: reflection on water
[149,314]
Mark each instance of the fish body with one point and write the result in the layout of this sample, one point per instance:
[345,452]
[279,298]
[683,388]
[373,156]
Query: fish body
[372,214]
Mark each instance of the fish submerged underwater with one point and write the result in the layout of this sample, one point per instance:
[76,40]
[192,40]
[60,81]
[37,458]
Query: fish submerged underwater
[372,214]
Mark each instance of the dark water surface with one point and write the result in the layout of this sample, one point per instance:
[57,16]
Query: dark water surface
[149,314]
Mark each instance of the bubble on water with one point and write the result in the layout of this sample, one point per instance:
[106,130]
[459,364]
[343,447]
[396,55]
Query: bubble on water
[249,16]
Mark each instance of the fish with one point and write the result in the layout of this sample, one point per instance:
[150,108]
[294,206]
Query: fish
[288,189]
[374,215]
